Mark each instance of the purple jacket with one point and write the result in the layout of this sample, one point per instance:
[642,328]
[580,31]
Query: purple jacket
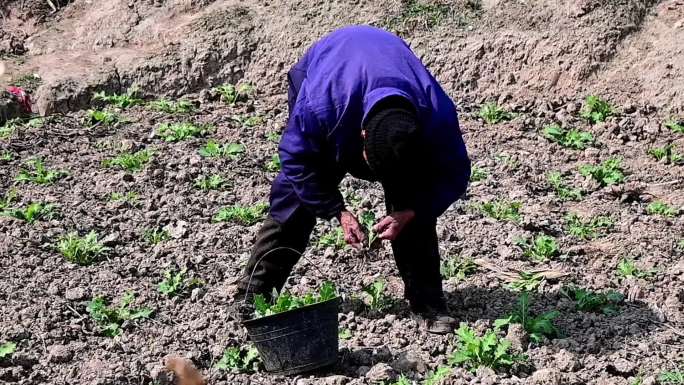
[332,88]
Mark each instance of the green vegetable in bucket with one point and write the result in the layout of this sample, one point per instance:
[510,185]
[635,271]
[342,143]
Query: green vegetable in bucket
[285,301]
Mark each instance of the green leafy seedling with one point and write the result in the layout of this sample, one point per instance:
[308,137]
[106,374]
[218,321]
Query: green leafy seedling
[590,301]
[175,132]
[439,375]
[402,380]
[171,107]
[477,174]
[367,220]
[110,319]
[667,154]
[675,125]
[596,110]
[249,120]
[608,173]
[215,150]
[491,113]
[123,101]
[587,228]
[8,199]
[81,250]
[285,301]
[526,282]
[9,128]
[502,210]
[378,300]
[34,171]
[273,165]
[538,327]
[244,215]
[273,136]
[155,236]
[130,197]
[103,117]
[6,156]
[211,182]
[33,212]
[627,268]
[540,249]
[457,268]
[563,191]
[334,239]
[671,377]
[661,208]
[176,283]
[7,349]
[344,334]
[239,360]
[573,138]
[131,162]
[490,350]
[231,94]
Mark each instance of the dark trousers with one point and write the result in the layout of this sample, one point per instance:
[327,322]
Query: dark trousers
[415,250]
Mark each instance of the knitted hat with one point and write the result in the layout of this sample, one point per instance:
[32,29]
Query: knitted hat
[392,142]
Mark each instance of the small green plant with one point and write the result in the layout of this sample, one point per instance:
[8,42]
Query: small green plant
[477,174]
[9,128]
[589,228]
[538,327]
[155,236]
[596,110]
[171,107]
[273,165]
[123,101]
[273,136]
[334,239]
[239,360]
[103,117]
[563,191]
[457,268]
[81,250]
[671,377]
[344,334]
[6,156]
[175,132]
[285,301]
[675,125]
[661,208]
[110,319]
[29,82]
[573,138]
[491,113]
[502,210]
[243,215]
[131,162]
[378,300]
[490,350]
[627,268]
[510,161]
[34,171]
[526,282]
[367,220]
[7,349]
[607,173]
[8,199]
[211,182]
[439,375]
[540,249]
[176,283]
[33,212]
[231,94]
[131,197]
[229,150]
[249,120]
[402,380]
[590,301]
[667,153]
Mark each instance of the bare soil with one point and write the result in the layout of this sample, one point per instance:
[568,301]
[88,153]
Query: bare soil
[537,59]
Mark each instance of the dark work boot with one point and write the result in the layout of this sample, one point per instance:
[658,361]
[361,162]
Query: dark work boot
[433,317]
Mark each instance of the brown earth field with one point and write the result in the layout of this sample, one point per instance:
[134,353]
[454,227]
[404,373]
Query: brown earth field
[537,60]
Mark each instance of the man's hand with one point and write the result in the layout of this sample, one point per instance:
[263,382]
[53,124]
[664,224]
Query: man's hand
[353,234]
[391,226]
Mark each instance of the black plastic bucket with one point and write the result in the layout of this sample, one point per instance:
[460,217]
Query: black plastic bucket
[298,340]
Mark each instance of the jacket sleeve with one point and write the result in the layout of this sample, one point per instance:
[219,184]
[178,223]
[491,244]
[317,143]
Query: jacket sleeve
[305,165]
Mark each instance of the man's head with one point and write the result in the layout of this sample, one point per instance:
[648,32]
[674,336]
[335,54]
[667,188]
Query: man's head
[392,140]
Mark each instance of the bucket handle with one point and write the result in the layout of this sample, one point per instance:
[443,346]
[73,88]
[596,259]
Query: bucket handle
[299,253]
